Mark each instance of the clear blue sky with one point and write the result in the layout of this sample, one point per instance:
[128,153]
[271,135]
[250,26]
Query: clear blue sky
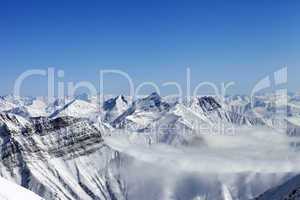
[220,40]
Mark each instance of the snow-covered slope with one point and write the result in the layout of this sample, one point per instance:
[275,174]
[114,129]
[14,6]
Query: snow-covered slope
[5,105]
[76,108]
[12,191]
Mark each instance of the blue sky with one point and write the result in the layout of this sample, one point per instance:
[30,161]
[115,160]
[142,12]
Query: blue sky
[220,41]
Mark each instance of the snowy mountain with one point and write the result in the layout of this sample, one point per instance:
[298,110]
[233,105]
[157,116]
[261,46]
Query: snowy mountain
[76,108]
[61,158]
[12,191]
[208,148]
[142,112]
[5,105]
[114,107]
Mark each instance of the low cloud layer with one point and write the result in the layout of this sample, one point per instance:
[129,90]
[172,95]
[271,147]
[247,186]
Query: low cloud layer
[250,149]
[221,167]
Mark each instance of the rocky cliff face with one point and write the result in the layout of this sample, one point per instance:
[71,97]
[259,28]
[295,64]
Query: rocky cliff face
[62,158]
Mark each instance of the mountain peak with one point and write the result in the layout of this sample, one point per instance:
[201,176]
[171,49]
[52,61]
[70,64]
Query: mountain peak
[153,101]
[208,103]
[76,108]
[154,95]
[118,101]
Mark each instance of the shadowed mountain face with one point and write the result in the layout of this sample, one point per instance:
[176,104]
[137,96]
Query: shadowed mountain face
[113,102]
[290,190]
[114,107]
[208,104]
